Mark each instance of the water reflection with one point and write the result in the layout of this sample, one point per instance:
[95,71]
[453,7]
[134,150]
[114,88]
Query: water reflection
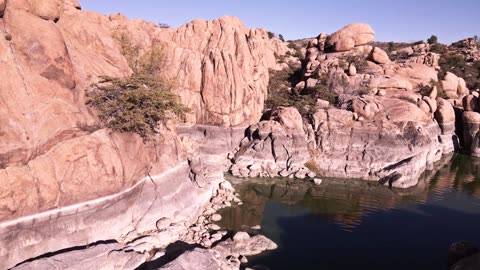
[345,219]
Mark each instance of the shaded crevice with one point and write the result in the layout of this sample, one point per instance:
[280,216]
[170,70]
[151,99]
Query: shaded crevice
[398,164]
[172,252]
[67,250]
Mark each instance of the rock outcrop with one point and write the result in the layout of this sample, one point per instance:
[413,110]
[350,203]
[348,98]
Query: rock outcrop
[379,56]
[220,66]
[445,116]
[350,36]
[275,147]
[66,181]
[63,175]
[228,254]
[402,146]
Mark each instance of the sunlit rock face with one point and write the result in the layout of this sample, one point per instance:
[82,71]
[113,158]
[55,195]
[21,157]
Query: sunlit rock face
[54,153]
[220,66]
[395,146]
[221,73]
[350,36]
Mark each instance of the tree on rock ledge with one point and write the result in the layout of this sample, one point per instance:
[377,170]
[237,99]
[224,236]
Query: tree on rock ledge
[138,102]
[432,40]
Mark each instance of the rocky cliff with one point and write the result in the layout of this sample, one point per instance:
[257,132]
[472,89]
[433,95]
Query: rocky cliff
[67,181]
[50,140]
[389,119]
[220,66]
[57,159]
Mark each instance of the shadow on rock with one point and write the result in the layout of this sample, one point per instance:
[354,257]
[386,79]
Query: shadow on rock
[171,253]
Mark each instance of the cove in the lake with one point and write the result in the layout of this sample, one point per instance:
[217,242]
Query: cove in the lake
[354,224]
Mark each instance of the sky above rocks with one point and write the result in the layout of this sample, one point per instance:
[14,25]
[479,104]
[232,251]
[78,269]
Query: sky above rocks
[406,20]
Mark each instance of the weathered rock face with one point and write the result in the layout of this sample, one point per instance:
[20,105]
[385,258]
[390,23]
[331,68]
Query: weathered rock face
[54,154]
[221,67]
[396,144]
[231,86]
[379,56]
[226,255]
[349,37]
[471,134]
[445,116]
[454,87]
[49,140]
[129,217]
[351,149]
[274,147]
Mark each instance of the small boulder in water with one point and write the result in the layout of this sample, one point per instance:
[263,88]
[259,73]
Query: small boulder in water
[317,181]
[216,217]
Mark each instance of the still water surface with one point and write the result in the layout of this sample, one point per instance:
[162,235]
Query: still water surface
[353,224]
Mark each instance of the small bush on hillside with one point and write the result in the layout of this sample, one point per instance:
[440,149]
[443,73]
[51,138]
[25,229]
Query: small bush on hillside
[321,91]
[360,63]
[426,90]
[293,46]
[432,40]
[438,48]
[391,46]
[456,64]
[163,25]
[138,102]
[134,104]
[8,37]
[280,36]
[297,50]
[305,101]
[270,35]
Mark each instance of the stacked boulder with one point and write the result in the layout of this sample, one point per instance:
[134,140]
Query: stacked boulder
[471,124]
[275,147]
[349,37]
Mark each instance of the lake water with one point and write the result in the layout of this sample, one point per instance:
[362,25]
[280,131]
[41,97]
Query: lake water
[354,224]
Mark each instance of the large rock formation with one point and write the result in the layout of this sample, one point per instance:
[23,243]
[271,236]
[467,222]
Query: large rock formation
[403,144]
[350,36]
[274,147]
[220,66]
[63,176]
[381,105]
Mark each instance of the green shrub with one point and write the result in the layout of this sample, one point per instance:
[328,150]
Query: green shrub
[163,25]
[138,102]
[134,104]
[305,101]
[426,90]
[280,36]
[438,48]
[293,46]
[391,46]
[297,50]
[456,64]
[270,35]
[432,40]
[360,63]
[453,63]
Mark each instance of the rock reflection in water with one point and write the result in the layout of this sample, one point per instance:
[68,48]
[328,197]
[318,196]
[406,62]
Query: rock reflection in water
[345,222]
[347,201]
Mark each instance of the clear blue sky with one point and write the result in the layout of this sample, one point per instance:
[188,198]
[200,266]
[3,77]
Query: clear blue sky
[400,20]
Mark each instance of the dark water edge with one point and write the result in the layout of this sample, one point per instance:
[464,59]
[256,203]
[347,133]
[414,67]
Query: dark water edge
[354,224]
